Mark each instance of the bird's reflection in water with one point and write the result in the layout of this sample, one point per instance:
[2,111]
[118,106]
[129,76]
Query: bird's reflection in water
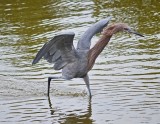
[73,117]
[50,106]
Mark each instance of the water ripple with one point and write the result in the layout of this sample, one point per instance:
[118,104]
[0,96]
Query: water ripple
[125,81]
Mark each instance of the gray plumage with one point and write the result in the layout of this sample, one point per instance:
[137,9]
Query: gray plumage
[61,52]
[76,63]
[85,41]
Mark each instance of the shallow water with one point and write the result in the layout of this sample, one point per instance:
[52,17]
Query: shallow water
[125,80]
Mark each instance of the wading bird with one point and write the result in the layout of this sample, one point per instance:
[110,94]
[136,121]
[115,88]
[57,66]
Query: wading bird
[77,62]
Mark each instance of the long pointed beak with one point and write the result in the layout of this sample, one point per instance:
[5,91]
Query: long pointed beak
[134,32]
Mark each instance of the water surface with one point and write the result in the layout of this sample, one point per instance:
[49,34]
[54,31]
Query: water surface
[125,80]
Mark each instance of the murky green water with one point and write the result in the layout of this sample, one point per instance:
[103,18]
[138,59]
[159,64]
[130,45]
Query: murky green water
[125,80]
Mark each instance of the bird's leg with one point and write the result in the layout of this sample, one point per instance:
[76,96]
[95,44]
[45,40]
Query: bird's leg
[86,80]
[49,80]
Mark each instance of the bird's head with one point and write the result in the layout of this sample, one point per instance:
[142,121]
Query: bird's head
[117,27]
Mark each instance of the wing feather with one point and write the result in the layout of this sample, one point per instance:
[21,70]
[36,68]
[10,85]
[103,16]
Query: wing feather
[59,50]
[59,64]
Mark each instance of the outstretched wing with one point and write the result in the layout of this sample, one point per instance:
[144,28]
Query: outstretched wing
[59,50]
[85,42]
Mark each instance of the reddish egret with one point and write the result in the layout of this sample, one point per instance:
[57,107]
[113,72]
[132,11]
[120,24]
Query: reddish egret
[77,62]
